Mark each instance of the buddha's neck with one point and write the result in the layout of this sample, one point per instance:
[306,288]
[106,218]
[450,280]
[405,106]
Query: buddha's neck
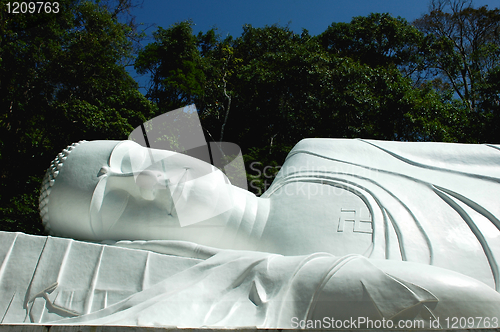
[247,221]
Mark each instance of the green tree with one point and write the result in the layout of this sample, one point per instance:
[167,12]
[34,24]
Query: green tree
[278,86]
[289,87]
[219,65]
[463,46]
[62,79]
[174,64]
[489,114]
[378,39]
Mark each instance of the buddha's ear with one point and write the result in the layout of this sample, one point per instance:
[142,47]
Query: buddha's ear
[95,207]
[106,207]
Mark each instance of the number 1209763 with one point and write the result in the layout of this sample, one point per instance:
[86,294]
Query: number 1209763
[32,7]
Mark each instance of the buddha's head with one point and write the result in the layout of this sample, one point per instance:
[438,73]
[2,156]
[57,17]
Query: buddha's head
[112,190]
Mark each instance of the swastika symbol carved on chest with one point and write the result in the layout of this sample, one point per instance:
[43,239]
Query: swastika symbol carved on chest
[353,215]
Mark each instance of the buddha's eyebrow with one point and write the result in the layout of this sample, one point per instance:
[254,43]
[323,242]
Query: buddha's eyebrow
[107,171]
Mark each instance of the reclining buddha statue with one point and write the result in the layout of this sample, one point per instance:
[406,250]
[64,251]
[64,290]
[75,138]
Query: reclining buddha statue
[351,231]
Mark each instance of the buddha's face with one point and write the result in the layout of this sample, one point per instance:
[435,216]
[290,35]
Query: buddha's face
[137,193]
[157,189]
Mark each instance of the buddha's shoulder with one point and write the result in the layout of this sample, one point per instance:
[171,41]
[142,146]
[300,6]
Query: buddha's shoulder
[413,152]
[352,150]
[352,142]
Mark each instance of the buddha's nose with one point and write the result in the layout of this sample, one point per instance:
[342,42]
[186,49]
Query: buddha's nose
[148,183]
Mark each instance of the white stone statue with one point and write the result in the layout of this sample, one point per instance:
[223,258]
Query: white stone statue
[350,232]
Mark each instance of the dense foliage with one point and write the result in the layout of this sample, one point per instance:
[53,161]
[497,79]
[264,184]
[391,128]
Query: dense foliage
[62,79]
[463,51]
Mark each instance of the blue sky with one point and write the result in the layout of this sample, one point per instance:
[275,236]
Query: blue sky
[315,15]
[228,16]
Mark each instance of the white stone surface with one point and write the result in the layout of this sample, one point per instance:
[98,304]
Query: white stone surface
[349,229]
